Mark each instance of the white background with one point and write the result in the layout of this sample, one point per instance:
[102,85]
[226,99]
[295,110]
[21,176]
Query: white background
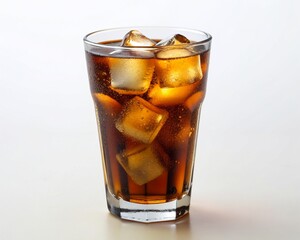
[247,180]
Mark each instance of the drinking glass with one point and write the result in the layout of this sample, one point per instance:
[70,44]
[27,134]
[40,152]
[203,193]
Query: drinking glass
[148,101]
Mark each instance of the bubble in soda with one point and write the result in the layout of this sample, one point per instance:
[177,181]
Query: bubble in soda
[177,129]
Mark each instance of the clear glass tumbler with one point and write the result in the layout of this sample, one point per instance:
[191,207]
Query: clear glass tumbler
[148,99]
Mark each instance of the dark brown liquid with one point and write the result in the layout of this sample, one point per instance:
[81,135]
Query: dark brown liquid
[175,142]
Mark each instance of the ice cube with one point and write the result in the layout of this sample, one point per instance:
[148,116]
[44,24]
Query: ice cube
[177,130]
[170,96]
[173,40]
[141,120]
[135,38]
[109,105]
[131,70]
[130,75]
[178,65]
[173,53]
[194,101]
[143,162]
[178,68]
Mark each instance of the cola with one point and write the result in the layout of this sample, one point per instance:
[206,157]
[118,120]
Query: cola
[147,108]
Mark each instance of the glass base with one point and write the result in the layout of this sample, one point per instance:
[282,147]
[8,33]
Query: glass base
[148,213]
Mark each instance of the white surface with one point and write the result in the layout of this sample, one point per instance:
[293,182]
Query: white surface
[247,180]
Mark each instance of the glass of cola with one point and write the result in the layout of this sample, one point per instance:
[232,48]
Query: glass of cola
[148,85]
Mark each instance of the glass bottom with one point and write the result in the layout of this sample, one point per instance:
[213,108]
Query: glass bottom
[148,213]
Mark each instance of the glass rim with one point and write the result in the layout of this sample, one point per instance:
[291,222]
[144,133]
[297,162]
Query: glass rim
[102,45]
